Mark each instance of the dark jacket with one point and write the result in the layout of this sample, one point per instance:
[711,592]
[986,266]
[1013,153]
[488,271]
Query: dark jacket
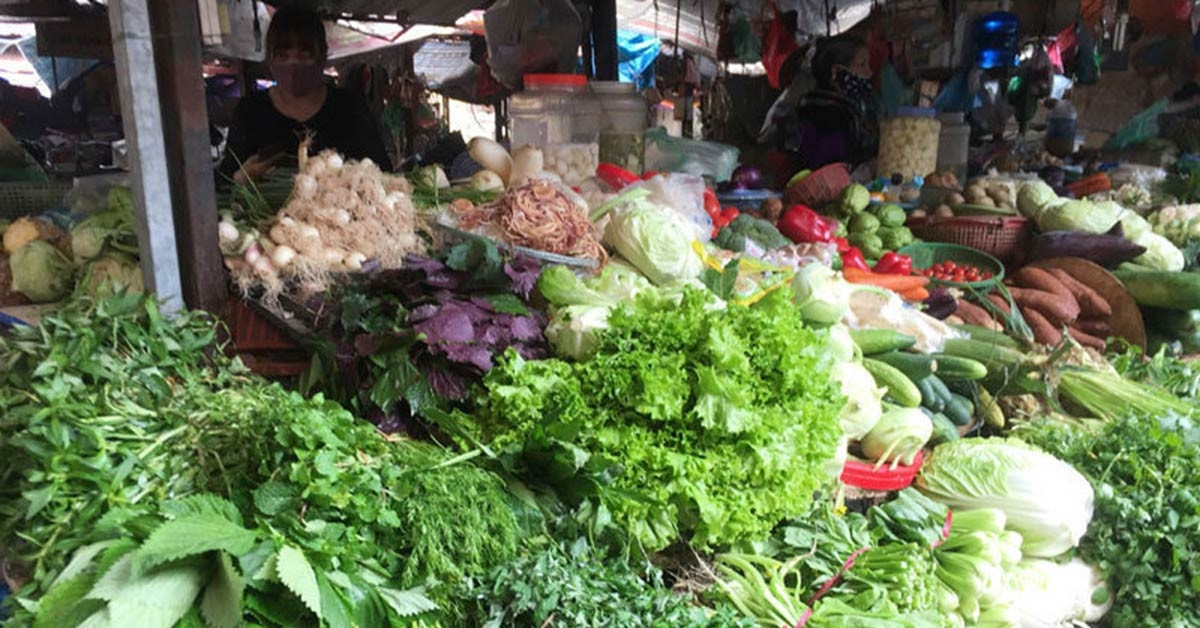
[825,128]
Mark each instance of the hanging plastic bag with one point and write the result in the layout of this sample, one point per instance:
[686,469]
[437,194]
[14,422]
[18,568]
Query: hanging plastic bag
[779,43]
[1141,127]
[531,36]
[744,44]
[676,154]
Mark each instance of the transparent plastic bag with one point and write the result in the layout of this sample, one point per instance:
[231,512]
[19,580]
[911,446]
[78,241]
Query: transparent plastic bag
[685,194]
[677,154]
[530,37]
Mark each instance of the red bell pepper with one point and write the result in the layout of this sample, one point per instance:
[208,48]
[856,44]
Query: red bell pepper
[853,258]
[712,206]
[843,245]
[729,213]
[615,176]
[649,174]
[893,263]
[802,224]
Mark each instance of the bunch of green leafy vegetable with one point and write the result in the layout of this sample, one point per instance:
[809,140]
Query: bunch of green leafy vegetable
[113,413]
[689,422]
[1177,376]
[1147,519]
[576,585]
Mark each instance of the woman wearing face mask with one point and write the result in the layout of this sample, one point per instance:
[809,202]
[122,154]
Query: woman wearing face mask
[268,126]
[835,122]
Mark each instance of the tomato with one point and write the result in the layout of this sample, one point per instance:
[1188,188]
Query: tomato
[987,275]
[949,265]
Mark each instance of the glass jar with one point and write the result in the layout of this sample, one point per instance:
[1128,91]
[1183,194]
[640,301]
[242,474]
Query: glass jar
[558,114]
[908,144]
[623,130]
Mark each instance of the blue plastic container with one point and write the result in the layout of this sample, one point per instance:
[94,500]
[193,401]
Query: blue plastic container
[996,39]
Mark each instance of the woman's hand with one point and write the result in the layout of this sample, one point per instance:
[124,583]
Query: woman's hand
[254,168]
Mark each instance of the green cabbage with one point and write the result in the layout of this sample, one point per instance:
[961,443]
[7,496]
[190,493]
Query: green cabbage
[655,240]
[1080,215]
[1160,253]
[1034,197]
[897,437]
[41,272]
[1047,501]
[112,228]
[560,286]
[111,273]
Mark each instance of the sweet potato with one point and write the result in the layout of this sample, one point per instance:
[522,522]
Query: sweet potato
[1091,304]
[1093,326]
[1000,302]
[1038,279]
[1043,330]
[1087,340]
[973,314]
[1055,309]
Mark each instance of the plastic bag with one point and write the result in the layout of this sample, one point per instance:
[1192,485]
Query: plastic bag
[676,154]
[737,40]
[779,43]
[531,36]
[1141,127]
[685,194]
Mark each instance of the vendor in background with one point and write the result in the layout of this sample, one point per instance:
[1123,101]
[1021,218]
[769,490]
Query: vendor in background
[836,121]
[267,126]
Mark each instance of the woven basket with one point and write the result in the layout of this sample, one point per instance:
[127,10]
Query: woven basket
[822,186]
[1000,237]
[27,198]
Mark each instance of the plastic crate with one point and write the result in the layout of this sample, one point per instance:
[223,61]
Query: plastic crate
[265,348]
[27,198]
[1001,237]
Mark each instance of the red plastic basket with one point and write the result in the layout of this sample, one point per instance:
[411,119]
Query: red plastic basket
[262,346]
[1000,237]
[865,475]
[822,186]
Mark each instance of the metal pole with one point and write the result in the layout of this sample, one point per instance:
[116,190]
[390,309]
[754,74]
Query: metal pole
[185,131]
[142,117]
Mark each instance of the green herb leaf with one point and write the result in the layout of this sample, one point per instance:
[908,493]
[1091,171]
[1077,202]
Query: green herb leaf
[158,599]
[222,601]
[407,603]
[272,498]
[190,535]
[298,576]
[64,605]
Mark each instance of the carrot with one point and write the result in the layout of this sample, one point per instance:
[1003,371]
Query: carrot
[1043,331]
[1056,310]
[895,283]
[1090,302]
[973,314]
[1087,340]
[1038,279]
[1094,327]
[1000,302]
[915,295]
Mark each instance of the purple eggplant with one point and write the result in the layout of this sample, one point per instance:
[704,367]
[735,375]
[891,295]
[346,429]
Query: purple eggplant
[1106,249]
[940,304]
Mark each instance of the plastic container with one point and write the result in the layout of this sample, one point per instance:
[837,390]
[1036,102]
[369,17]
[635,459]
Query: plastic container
[954,143]
[622,135]
[558,110]
[908,143]
[864,475]
[996,39]
[746,200]
[1060,129]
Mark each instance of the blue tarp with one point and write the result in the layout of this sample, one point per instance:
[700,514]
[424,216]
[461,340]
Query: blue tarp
[635,56]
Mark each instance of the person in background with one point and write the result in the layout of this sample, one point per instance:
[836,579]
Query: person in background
[268,126]
[835,121]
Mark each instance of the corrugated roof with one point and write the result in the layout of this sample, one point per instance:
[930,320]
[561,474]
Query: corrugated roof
[434,12]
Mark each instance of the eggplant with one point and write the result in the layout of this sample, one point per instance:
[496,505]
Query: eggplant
[940,304]
[1106,249]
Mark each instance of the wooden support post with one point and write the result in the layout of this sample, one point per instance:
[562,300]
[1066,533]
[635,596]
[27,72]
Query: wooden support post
[176,28]
[141,114]
[604,39]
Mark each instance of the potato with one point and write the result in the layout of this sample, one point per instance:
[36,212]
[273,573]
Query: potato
[954,198]
[986,202]
[943,211]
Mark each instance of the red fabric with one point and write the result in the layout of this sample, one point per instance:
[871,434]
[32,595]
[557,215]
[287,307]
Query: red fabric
[778,45]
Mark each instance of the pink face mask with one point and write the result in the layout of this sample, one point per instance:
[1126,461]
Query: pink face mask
[298,79]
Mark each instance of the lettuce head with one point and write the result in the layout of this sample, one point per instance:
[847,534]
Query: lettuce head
[655,240]
[41,272]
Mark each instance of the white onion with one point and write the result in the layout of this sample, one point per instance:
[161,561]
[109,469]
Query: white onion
[282,256]
[306,231]
[263,266]
[226,232]
[332,256]
[342,217]
[305,186]
[278,233]
[354,260]
[252,254]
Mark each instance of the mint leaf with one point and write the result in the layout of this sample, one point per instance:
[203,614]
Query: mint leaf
[298,576]
[407,603]
[191,535]
[159,599]
[222,601]
[64,604]
[273,498]
[202,504]
[114,580]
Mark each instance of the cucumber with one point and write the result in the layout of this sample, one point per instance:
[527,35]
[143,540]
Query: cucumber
[992,356]
[989,336]
[955,367]
[990,410]
[875,341]
[914,365]
[900,388]
[944,430]
[929,396]
[959,409]
[940,390]
[1168,290]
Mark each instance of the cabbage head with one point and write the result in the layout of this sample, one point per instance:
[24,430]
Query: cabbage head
[1080,216]
[656,240]
[1034,197]
[1043,498]
[109,274]
[1160,253]
[41,272]
[112,228]
[822,296]
[864,400]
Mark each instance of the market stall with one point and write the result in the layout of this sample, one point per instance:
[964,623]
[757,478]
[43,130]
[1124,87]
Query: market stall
[616,378]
